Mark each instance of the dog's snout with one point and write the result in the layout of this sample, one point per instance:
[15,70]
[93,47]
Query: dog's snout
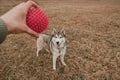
[57,42]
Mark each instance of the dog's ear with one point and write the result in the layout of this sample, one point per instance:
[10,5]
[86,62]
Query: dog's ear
[54,31]
[63,31]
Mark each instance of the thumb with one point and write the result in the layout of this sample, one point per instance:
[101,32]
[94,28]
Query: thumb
[30,4]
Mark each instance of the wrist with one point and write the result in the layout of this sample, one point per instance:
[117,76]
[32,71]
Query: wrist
[3,30]
[8,24]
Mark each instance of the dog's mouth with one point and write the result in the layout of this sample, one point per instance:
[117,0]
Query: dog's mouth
[58,44]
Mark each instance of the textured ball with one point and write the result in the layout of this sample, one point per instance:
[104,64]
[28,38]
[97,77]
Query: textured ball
[37,19]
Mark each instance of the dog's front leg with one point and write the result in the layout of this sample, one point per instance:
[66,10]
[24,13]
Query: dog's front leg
[55,56]
[62,60]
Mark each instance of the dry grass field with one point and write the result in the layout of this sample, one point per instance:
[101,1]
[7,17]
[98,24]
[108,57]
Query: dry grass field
[93,43]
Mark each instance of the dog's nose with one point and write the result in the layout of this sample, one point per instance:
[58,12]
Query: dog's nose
[57,42]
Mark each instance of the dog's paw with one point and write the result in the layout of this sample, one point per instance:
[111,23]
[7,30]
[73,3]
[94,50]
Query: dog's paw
[37,55]
[64,63]
[47,50]
[54,68]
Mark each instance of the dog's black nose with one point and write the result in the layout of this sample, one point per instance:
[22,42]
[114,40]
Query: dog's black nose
[57,42]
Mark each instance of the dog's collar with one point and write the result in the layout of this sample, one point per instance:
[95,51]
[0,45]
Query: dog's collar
[60,48]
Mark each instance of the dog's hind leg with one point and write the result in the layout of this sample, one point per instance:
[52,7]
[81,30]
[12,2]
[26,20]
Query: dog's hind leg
[38,51]
[39,46]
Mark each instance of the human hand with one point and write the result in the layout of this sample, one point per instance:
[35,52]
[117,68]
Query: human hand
[15,19]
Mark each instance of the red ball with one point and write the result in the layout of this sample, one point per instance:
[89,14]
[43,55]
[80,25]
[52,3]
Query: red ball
[37,19]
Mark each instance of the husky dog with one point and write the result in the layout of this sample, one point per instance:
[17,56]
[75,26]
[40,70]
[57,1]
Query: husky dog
[56,43]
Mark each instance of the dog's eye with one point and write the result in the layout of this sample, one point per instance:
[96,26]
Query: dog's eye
[60,37]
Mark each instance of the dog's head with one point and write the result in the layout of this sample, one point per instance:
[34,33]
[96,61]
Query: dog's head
[58,37]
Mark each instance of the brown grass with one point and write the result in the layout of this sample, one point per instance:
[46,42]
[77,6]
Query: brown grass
[93,43]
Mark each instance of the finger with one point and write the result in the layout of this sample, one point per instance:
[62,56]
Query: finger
[30,4]
[31,32]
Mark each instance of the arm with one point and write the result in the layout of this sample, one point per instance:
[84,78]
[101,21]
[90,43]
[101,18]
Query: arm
[14,21]
[3,31]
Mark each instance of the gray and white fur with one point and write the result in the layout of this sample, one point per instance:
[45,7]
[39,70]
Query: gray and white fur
[56,43]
